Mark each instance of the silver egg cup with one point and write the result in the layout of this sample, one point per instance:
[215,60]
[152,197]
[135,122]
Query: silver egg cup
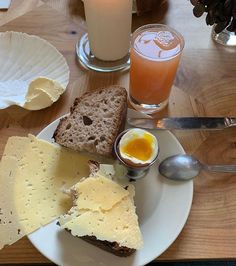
[133,172]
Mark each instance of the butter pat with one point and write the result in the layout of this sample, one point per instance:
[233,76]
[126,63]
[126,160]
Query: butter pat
[113,219]
[33,174]
[42,93]
[23,59]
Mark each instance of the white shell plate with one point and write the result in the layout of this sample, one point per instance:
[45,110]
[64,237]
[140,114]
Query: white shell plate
[24,58]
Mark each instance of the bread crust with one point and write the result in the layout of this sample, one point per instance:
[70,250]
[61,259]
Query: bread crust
[112,247]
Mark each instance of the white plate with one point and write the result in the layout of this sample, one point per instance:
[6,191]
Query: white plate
[162,206]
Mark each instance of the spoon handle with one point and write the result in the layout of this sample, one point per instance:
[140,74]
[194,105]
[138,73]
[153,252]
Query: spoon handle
[220,168]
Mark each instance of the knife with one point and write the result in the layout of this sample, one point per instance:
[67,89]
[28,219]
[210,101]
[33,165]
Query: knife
[191,123]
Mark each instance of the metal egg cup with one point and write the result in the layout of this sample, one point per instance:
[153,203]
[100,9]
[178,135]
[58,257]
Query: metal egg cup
[133,172]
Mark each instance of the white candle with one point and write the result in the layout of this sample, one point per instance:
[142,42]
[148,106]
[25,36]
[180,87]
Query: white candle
[109,27]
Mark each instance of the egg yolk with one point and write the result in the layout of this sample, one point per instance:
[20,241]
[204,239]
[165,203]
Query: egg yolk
[140,148]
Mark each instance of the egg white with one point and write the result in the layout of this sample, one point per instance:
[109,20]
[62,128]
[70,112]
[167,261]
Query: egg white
[131,135]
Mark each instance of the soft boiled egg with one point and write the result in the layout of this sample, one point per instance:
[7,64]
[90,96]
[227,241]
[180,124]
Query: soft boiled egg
[138,147]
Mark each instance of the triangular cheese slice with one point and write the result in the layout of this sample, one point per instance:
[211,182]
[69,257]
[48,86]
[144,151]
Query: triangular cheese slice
[118,223]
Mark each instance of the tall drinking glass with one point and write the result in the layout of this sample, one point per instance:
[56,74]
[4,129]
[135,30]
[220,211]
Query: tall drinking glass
[155,56]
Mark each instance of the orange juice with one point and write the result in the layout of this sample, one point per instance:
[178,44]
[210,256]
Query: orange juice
[155,56]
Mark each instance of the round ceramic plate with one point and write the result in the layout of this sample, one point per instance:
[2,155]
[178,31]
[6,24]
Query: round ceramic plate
[163,207]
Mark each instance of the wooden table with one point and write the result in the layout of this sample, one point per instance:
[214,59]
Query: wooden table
[205,86]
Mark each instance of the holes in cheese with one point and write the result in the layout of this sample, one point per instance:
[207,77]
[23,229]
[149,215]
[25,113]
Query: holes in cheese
[32,174]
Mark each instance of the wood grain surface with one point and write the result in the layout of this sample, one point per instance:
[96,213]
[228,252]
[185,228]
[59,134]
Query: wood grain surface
[205,85]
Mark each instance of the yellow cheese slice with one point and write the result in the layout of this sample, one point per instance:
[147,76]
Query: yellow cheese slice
[118,224]
[33,174]
[91,193]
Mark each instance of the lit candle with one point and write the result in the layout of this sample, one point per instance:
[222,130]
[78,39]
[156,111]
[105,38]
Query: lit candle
[109,28]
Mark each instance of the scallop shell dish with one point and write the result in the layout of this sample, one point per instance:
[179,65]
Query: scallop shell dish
[33,72]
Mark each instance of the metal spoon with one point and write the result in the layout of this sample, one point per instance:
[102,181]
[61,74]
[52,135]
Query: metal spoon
[186,167]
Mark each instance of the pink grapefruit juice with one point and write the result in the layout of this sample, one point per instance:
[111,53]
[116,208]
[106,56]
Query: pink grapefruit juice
[155,56]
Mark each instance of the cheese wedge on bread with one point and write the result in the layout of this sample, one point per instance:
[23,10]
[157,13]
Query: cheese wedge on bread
[103,213]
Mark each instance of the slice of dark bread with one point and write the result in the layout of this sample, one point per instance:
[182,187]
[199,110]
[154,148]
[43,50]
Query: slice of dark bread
[112,247]
[95,120]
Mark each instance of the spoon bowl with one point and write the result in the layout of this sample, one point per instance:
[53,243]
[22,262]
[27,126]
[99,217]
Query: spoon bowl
[184,167]
[180,167]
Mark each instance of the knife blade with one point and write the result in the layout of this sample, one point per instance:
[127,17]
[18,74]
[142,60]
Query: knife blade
[181,123]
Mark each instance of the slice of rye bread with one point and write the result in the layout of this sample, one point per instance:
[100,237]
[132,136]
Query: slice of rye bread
[112,247]
[95,120]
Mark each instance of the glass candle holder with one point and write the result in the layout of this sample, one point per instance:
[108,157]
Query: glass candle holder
[106,46]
